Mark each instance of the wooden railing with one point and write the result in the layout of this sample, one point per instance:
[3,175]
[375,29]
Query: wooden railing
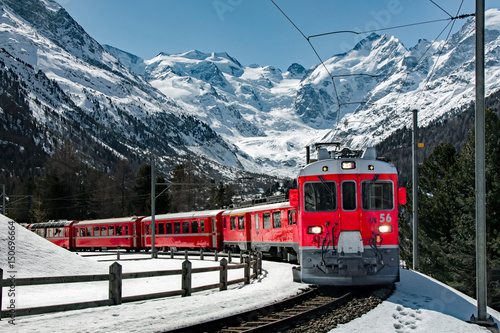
[249,263]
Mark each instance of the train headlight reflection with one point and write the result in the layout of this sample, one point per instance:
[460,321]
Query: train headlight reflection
[315,230]
[385,228]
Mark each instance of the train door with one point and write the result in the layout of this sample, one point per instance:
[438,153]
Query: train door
[214,233]
[349,238]
[349,213]
[134,235]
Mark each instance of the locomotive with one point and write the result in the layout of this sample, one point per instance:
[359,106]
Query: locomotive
[348,219]
[340,224]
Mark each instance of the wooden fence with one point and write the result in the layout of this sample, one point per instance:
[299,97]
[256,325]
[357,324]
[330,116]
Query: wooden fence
[115,277]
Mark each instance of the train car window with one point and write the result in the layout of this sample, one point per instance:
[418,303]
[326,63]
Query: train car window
[119,230]
[89,231]
[194,227]
[377,195]
[202,225]
[267,220]
[103,231]
[82,232]
[65,232]
[320,196]
[277,219]
[168,228]
[241,222]
[161,228]
[256,221]
[111,230]
[147,229]
[96,231]
[233,223]
[292,217]
[185,227]
[126,230]
[177,227]
[348,195]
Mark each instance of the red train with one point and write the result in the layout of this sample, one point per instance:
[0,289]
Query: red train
[340,224]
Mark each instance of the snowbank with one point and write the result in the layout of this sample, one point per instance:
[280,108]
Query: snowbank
[37,257]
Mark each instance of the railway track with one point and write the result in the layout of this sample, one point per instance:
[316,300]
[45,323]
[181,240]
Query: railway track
[301,313]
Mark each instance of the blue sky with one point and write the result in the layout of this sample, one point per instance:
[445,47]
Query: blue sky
[254,31]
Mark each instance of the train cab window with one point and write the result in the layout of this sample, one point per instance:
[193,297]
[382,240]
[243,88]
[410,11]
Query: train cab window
[202,225]
[277,219]
[168,228]
[377,195]
[161,228]
[348,195]
[148,226]
[119,230]
[241,222]
[292,217]
[65,232]
[267,220]
[96,231]
[233,222]
[256,221]
[177,227]
[111,230]
[103,231]
[194,227]
[185,227]
[320,196]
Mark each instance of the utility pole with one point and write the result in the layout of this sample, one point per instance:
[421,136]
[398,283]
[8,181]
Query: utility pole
[481,276]
[415,188]
[154,254]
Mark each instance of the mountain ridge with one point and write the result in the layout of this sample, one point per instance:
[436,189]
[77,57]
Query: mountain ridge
[254,118]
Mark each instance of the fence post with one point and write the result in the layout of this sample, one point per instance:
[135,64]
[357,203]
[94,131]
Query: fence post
[186,277]
[171,253]
[1,287]
[115,283]
[259,263]
[254,266]
[241,258]
[246,259]
[229,258]
[118,253]
[216,255]
[223,275]
[201,254]
[186,255]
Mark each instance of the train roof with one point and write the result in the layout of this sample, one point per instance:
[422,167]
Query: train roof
[184,215]
[257,208]
[366,164]
[110,220]
[51,224]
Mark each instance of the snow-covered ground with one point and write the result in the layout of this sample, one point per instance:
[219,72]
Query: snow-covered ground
[419,304]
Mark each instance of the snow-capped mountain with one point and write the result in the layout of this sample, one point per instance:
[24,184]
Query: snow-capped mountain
[78,91]
[272,115]
[253,118]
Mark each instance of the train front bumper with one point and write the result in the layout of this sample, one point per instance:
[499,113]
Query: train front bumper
[370,267]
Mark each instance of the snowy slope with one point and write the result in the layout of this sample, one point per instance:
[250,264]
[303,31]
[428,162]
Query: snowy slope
[78,91]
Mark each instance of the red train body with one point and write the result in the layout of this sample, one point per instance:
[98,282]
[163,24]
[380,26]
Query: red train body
[341,224]
[184,230]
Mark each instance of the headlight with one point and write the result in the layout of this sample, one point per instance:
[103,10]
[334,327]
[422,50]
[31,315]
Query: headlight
[315,230]
[385,228]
